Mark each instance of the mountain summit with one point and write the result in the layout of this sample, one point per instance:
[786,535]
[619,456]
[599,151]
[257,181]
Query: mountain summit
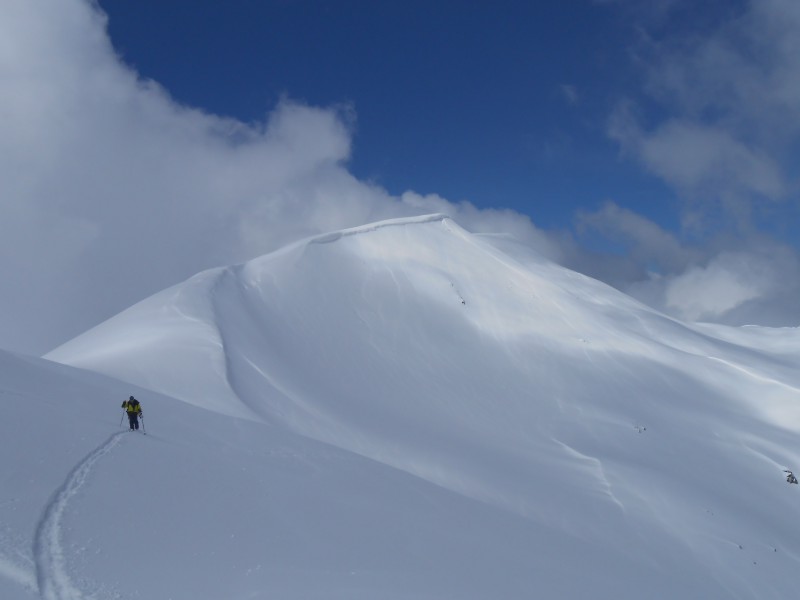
[598,446]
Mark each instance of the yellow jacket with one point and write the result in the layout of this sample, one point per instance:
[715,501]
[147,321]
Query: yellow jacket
[132,406]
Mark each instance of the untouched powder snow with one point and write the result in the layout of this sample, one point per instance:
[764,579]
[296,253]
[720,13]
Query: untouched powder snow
[404,410]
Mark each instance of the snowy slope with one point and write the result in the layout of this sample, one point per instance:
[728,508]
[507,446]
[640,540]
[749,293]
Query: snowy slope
[407,410]
[208,506]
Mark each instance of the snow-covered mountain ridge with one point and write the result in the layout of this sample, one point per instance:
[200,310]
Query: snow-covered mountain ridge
[591,443]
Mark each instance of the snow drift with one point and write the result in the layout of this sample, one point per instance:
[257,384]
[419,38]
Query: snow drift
[485,424]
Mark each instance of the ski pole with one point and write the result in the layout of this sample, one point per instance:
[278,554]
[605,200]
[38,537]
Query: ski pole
[144,431]
[122,417]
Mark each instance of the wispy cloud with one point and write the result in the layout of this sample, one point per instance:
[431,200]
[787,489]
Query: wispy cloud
[729,104]
[728,279]
[569,93]
[646,241]
[718,119]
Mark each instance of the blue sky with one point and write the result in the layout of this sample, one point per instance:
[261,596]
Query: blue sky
[502,104]
[652,145]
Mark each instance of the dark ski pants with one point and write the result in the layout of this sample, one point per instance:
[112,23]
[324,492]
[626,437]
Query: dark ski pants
[133,419]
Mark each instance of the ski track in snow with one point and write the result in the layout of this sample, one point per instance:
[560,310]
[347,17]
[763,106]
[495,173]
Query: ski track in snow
[52,576]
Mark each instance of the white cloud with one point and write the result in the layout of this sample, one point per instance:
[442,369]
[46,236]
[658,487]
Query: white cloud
[110,189]
[647,242]
[701,160]
[758,285]
[730,100]
[718,120]
[707,293]
[729,279]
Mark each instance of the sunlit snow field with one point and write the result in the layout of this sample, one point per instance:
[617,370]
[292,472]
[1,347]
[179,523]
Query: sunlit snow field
[404,410]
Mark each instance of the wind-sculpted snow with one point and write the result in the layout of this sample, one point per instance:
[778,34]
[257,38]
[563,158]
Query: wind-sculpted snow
[628,446]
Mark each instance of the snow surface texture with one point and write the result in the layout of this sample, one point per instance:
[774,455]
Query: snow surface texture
[404,410]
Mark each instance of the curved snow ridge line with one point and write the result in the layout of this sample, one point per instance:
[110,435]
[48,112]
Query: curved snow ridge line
[52,577]
[333,236]
[327,238]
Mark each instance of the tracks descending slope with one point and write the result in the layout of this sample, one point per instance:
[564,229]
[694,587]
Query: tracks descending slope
[52,576]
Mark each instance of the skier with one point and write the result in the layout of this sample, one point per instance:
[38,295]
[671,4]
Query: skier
[790,478]
[134,410]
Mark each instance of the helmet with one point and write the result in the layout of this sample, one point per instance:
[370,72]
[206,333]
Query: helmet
[131,398]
